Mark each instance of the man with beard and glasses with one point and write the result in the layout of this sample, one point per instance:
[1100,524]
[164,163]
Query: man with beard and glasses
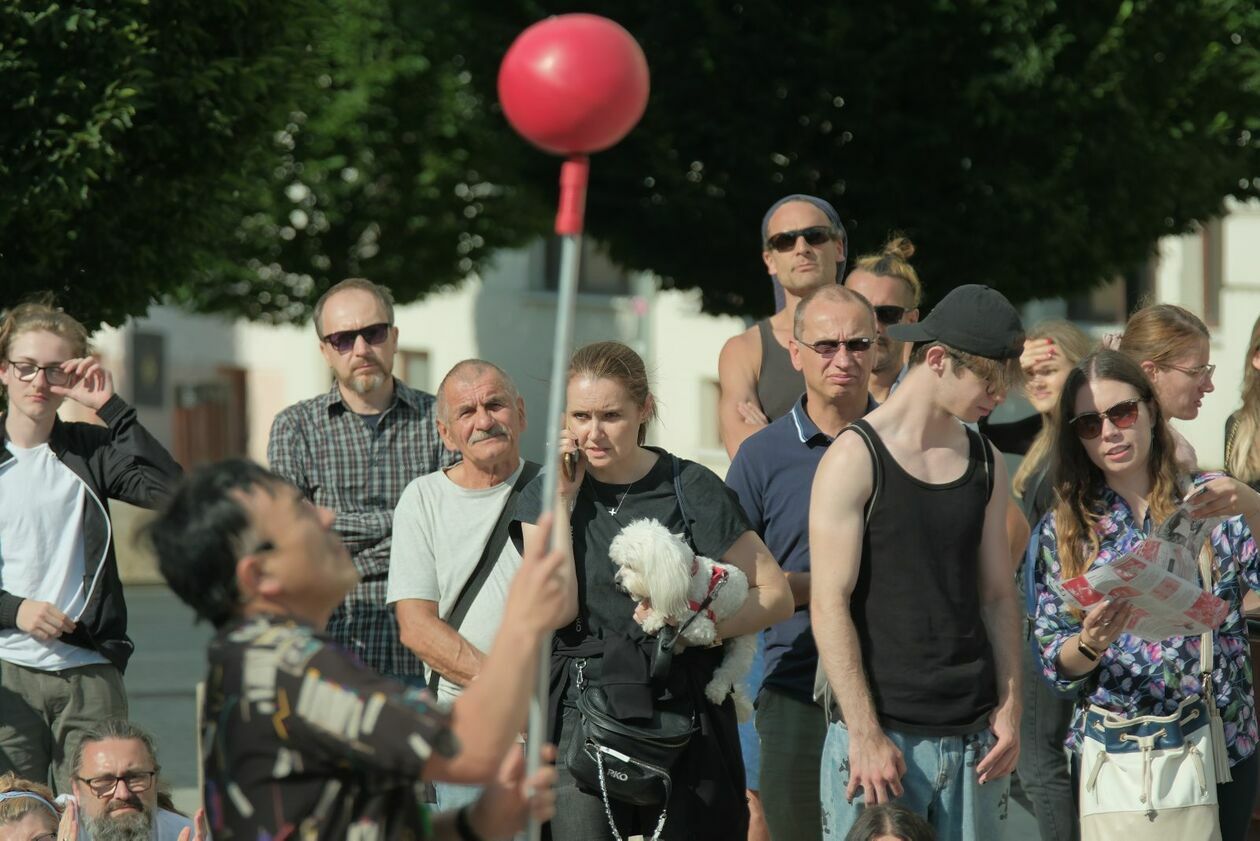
[451,562]
[115,783]
[353,450]
[891,284]
[803,245]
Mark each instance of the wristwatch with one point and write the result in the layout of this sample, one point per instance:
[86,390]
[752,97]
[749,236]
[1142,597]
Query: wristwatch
[1087,651]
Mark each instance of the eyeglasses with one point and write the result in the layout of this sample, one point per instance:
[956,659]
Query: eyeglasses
[889,314]
[1089,425]
[27,371]
[827,348]
[136,781]
[1199,372]
[343,340]
[786,240]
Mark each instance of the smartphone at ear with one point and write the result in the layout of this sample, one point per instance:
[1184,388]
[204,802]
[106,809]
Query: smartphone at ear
[570,463]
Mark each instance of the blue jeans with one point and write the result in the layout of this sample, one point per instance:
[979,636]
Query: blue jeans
[749,742]
[940,784]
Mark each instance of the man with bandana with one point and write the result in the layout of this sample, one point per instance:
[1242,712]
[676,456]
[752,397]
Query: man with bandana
[804,246]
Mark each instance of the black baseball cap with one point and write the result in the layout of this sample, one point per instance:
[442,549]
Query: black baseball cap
[972,318]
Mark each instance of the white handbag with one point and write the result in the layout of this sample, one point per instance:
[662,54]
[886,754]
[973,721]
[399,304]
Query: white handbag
[1154,777]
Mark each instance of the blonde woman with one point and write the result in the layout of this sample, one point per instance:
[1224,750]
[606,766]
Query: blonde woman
[1171,344]
[617,480]
[1242,429]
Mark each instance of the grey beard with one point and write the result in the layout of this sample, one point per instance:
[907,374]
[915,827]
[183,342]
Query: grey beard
[137,826]
[365,383]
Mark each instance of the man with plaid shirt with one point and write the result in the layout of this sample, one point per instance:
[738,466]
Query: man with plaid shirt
[353,451]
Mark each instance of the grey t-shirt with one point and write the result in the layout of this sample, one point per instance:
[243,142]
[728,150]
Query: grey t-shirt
[440,531]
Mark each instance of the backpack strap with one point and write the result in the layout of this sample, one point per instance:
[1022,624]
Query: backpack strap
[682,502]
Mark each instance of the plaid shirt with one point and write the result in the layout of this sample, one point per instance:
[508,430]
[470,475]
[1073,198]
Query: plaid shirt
[339,463]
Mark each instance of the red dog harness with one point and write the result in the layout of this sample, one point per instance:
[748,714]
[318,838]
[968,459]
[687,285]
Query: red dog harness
[716,578]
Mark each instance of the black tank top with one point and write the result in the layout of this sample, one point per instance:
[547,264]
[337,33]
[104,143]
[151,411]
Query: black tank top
[779,385]
[916,604]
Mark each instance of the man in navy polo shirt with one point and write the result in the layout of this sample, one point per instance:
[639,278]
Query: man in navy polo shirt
[773,471]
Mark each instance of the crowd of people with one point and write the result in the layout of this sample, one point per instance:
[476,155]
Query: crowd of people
[380,593]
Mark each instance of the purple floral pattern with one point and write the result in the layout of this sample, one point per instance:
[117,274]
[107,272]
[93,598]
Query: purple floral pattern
[1136,677]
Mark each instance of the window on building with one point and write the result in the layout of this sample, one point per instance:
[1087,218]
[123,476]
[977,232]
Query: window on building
[1213,270]
[210,421]
[710,425]
[413,369]
[598,274]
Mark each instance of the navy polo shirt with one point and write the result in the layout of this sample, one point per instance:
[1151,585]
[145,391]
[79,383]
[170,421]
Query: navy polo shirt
[773,473]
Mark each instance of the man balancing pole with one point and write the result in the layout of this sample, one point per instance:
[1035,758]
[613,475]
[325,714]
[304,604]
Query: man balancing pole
[305,740]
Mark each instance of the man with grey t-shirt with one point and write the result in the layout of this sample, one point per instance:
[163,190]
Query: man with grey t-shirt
[442,526]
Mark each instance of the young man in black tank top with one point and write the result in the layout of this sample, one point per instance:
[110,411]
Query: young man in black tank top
[803,245]
[913,605]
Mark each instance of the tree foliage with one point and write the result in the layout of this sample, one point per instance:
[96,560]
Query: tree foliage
[1034,145]
[129,131]
[242,156]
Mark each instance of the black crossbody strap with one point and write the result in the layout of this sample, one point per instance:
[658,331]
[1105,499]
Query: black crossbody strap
[682,503]
[489,554]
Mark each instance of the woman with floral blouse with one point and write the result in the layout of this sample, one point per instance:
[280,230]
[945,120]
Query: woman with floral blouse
[1116,479]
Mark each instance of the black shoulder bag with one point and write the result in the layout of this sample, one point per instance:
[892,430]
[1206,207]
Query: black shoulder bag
[490,554]
[630,761]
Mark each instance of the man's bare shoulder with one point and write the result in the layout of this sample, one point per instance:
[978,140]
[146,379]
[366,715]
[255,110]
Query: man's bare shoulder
[742,349]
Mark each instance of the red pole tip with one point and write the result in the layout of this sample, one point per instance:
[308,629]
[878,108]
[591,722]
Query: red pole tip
[570,216]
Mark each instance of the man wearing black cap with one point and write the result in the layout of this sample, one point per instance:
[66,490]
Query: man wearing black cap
[804,245]
[913,605]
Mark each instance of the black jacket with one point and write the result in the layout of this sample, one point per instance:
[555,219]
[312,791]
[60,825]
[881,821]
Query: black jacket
[118,461]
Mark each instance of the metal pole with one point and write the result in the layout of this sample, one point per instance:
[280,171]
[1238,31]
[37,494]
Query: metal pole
[573,177]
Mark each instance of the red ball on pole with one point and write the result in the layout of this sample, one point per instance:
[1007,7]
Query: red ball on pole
[574,84]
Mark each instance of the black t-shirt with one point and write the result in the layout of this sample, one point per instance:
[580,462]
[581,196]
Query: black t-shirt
[715,521]
[707,802]
[306,741]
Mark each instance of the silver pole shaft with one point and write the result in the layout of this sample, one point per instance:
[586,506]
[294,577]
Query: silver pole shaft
[570,262]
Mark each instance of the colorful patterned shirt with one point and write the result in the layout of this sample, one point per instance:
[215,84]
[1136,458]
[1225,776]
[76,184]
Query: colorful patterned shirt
[359,472]
[304,741]
[1135,677]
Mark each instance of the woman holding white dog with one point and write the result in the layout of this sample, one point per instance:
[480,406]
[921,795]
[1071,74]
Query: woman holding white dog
[609,480]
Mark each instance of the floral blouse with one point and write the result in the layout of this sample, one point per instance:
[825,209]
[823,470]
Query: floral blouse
[1135,677]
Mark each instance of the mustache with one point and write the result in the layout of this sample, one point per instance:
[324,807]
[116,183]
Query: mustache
[496,431]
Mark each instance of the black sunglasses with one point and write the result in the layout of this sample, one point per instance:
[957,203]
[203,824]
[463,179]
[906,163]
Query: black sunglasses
[786,240]
[1089,425]
[343,340]
[830,347]
[889,314]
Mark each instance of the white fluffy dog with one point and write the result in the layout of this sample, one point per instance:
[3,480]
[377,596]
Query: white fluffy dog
[660,568]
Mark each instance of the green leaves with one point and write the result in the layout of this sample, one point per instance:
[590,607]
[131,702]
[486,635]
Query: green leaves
[242,156]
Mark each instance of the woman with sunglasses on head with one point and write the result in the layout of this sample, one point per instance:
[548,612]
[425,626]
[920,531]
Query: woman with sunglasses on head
[1116,479]
[63,622]
[1172,346]
[612,480]
[1242,429]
